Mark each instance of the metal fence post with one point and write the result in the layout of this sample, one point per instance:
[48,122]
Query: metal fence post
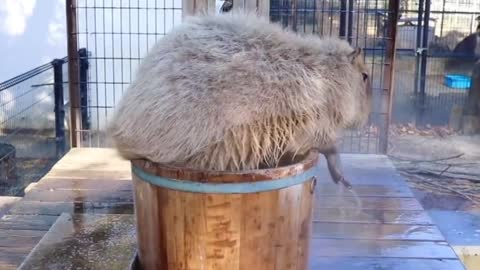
[73,73]
[346,19]
[343,18]
[350,21]
[422,77]
[59,106]
[389,71]
[83,67]
[418,46]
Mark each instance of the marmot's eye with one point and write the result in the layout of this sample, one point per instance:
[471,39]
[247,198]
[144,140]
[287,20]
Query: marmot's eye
[365,76]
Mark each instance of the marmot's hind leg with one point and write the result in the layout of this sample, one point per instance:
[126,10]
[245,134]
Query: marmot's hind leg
[333,163]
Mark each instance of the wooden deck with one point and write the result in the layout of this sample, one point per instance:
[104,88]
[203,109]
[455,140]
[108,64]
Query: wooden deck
[390,230]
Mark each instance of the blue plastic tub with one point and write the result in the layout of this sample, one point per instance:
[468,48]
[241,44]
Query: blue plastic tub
[457,81]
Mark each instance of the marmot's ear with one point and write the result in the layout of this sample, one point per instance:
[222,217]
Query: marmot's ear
[353,55]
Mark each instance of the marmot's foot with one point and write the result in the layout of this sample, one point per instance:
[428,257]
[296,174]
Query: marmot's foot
[333,163]
[342,180]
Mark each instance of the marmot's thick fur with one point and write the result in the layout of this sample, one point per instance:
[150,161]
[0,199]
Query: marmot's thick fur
[236,92]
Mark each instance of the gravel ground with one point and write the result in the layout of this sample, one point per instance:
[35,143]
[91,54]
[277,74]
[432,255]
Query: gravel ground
[451,184]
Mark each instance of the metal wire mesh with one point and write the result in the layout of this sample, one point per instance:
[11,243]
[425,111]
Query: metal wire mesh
[451,22]
[28,146]
[363,24]
[116,36]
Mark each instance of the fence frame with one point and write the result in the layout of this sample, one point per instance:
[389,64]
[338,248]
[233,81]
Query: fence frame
[78,83]
[57,135]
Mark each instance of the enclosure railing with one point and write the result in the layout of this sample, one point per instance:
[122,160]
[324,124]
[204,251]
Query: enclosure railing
[368,24]
[117,36]
[436,42]
[33,125]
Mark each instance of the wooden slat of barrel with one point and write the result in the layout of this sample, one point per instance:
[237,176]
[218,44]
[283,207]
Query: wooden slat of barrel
[257,227]
[180,230]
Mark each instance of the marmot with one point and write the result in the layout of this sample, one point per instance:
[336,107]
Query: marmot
[237,92]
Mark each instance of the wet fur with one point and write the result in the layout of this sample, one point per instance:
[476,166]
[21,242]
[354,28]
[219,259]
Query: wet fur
[235,92]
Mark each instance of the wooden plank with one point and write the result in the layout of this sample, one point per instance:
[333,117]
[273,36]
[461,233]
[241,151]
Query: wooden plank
[175,240]
[52,184]
[4,265]
[96,159]
[12,257]
[91,163]
[88,174]
[79,196]
[286,239]
[384,263]
[27,222]
[372,216]
[382,203]
[363,176]
[381,248]
[368,203]
[305,229]
[148,241]
[222,230]
[358,170]
[107,167]
[376,231]
[370,161]
[194,229]
[20,238]
[256,229]
[330,189]
[56,208]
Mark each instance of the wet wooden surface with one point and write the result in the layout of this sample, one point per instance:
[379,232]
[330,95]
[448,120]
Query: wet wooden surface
[388,229]
[85,241]
[84,181]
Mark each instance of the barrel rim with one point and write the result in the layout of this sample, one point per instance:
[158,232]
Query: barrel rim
[211,176]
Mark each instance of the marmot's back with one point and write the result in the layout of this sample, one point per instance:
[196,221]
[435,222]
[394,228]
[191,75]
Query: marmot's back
[215,74]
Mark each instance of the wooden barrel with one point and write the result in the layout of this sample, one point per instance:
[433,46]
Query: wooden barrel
[189,219]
